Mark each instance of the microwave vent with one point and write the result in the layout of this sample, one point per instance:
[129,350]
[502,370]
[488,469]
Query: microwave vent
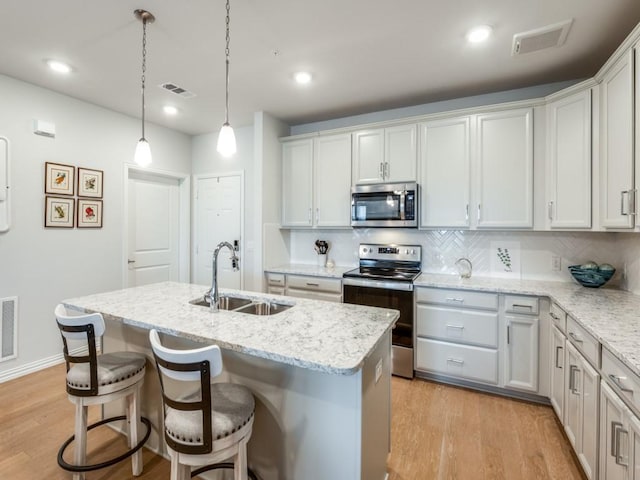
[541,38]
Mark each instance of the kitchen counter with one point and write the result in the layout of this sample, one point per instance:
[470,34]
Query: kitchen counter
[320,373]
[311,270]
[329,337]
[612,316]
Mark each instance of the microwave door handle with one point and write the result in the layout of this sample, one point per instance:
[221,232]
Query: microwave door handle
[402,200]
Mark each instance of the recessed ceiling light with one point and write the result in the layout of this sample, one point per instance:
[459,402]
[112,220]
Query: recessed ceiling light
[58,66]
[170,110]
[303,78]
[479,34]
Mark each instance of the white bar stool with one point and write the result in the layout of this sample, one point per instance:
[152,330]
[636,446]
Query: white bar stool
[204,423]
[95,380]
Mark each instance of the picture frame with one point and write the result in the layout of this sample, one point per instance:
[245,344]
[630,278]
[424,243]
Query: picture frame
[89,213]
[59,179]
[59,212]
[89,183]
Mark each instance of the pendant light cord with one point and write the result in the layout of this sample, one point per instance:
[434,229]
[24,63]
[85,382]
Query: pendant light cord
[226,52]
[144,65]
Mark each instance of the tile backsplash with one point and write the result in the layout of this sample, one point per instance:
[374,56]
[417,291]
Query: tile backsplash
[535,251]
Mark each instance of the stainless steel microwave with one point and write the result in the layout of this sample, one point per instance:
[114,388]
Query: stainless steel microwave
[385,205]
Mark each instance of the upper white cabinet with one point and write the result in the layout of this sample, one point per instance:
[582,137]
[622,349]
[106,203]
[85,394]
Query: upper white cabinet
[569,161]
[616,143]
[385,155]
[504,161]
[297,183]
[316,182]
[445,158]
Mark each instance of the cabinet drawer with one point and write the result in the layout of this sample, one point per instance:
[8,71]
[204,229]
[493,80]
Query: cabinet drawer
[462,361]
[276,279]
[275,290]
[315,283]
[458,298]
[625,382]
[558,317]
[583,341]
[313,295]
[457,325]
[522,305]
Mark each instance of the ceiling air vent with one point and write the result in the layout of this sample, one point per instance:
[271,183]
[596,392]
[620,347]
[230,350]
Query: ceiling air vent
[541,38]
[173,88]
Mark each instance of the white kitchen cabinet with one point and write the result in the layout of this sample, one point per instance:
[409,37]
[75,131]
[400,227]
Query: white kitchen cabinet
[556,395]
[385,155]
[582,384]
[315,288]
[569,161]
[276,283]
[445,156]
[614,457]
[297,183]
[521,353]
[617,144]
[316,182]
[332,180]
[504,162]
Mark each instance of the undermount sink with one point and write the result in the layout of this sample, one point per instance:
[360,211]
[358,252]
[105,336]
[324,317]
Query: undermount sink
[244,305]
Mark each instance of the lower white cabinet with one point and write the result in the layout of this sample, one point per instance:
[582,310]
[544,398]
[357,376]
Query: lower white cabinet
[556,391]
[582,383]
[521,353]
[314,288]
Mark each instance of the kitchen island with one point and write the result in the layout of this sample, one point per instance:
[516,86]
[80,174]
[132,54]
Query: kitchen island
[320,373]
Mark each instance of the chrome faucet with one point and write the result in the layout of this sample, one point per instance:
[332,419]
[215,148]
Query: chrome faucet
[212,295]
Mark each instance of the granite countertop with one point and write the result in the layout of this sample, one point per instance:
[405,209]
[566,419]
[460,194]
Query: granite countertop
[330,337]
[612,316]
[312,270]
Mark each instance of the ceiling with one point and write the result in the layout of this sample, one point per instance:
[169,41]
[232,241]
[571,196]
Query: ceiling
[365,55]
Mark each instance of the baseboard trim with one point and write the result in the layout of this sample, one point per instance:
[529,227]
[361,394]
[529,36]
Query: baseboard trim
[38,365]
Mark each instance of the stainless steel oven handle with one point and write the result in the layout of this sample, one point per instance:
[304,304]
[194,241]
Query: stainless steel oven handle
[403,196]
[359,282]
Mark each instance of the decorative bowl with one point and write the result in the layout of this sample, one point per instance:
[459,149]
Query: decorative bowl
[592,278]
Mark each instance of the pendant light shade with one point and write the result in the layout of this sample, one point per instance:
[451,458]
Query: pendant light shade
[226,137]
[143,151]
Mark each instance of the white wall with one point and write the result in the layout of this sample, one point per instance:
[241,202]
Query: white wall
[43,266]
[206,160]
[628,246]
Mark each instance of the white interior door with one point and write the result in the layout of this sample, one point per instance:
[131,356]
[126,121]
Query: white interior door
[219,219]
[154,215]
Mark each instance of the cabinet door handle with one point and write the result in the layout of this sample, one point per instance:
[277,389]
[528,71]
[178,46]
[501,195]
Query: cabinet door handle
[575,337]
[313,284]
[616,432]
[550,210]
[617,380]
[466,212]
[558,349]
[573,369]
[622,194]
[554,316]
[457,361]
[381,170]
[317,215]
[310,214]
[478,212]
[508,334]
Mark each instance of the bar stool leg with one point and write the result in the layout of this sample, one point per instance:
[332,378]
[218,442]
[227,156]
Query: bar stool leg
[240,463]
[80,455]
[133,415]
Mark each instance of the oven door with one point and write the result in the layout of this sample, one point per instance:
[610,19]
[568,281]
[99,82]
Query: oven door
[384,295]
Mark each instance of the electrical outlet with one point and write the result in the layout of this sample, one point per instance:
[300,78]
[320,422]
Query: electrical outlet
[378,370]
[556,263]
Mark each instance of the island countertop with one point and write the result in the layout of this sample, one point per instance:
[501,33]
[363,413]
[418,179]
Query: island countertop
[330,337]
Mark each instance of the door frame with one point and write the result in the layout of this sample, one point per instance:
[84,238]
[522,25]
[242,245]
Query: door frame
[196,205]
[184,217]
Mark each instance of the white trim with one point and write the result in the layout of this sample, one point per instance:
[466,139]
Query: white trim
[196,179]
[38,365]
[567,92]
[184,220]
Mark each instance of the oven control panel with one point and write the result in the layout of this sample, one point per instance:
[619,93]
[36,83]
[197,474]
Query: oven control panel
[411,253]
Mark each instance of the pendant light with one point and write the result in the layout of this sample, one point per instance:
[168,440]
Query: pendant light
[226,137]
[143,151]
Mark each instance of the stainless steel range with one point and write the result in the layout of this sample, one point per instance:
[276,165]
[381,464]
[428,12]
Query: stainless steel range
[385,279]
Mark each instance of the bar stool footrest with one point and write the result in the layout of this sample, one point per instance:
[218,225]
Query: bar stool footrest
[217,466]
[97,466]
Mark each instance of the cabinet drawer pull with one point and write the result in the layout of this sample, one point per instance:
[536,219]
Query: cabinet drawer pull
[575,337]
[460,327]
[457,361]
[454,299]
[554,316]
[276,280]
[617,380]
[558,350]
[310,284]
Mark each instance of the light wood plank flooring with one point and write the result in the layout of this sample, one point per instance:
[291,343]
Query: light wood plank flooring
[438,432]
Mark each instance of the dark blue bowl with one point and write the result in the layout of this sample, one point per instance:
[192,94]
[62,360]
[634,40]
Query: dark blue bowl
[592,278]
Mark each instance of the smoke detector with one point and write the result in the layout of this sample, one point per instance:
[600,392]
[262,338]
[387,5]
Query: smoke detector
[541,38]
[173,88]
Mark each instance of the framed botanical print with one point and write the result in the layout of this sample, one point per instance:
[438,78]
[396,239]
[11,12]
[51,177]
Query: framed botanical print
[59,179]
[89,213]
[89,183]
[59,212]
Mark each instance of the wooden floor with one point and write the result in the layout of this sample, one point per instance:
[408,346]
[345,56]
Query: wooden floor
[438,432]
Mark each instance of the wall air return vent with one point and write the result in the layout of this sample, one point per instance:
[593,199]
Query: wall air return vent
[8,328]
[541,38]
[173,88]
